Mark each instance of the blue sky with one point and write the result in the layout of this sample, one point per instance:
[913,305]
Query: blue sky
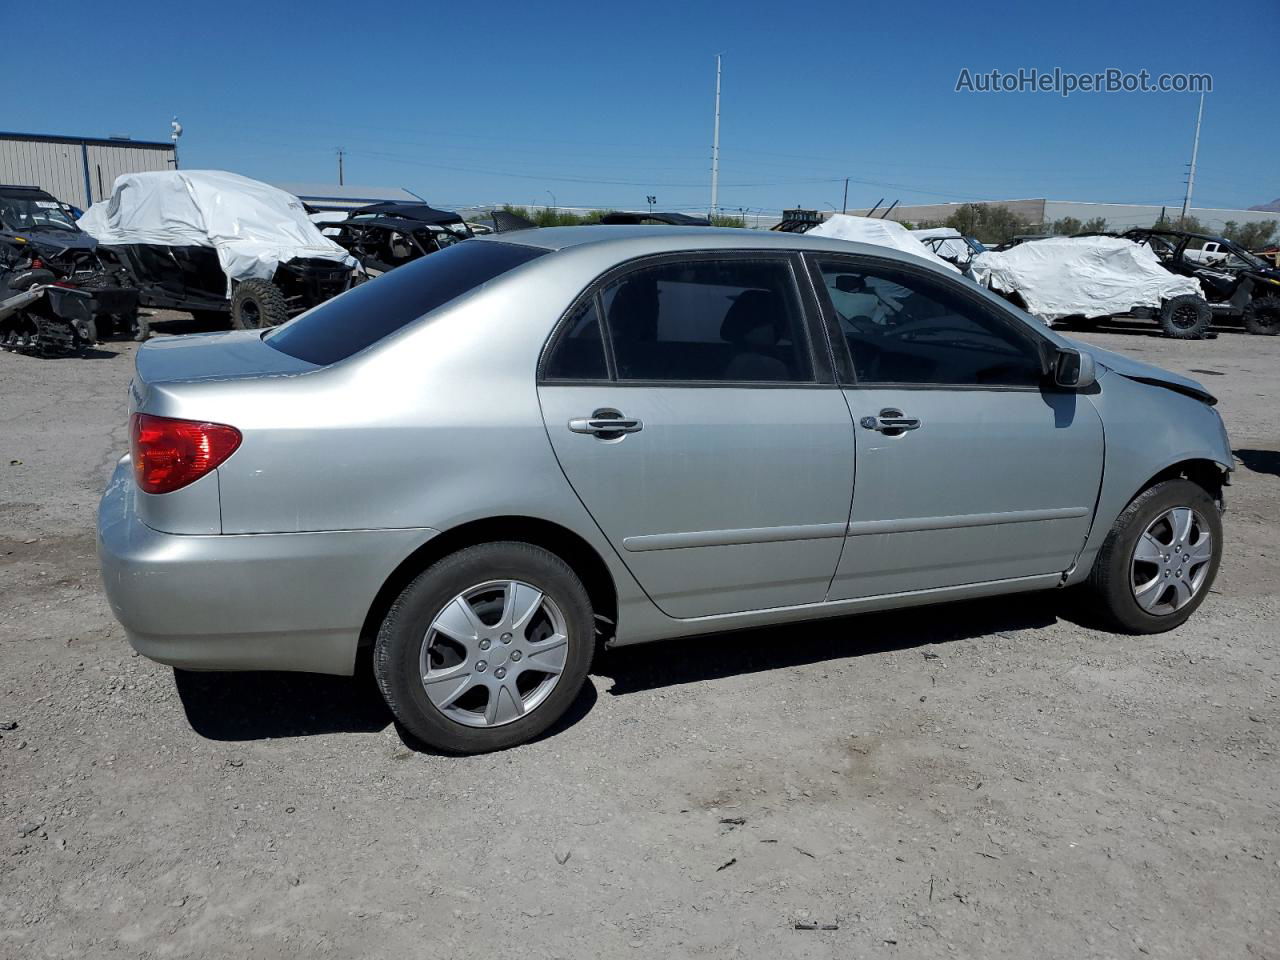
[601,104]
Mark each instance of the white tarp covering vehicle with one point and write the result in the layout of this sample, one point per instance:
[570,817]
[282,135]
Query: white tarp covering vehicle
[253,227]
[882,233]
[1094,277]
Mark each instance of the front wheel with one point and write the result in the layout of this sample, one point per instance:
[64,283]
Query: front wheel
[1160,558]
[487,648]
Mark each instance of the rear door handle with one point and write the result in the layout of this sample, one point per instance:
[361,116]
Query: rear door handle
[891,422]
[607,424]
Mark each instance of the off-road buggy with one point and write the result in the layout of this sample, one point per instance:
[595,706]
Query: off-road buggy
[57,295]
[217,244]
[1237,284]
[383,236]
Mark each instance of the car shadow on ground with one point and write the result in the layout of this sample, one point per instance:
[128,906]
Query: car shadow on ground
[649,666]
[267,706]
[274,705]
[1260,461]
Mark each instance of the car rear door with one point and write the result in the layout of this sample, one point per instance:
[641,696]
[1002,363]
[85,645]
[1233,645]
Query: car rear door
[970,469]
[703,432]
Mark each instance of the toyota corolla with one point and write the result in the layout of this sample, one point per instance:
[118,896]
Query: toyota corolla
[479,467]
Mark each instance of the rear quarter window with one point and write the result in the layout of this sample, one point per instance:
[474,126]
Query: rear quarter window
[378,308]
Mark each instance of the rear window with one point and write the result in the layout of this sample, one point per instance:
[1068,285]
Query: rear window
[347,324]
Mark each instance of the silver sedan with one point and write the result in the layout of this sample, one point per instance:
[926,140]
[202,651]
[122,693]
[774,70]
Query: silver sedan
[479,467]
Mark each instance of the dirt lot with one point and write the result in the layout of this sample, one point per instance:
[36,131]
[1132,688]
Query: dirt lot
[987,780]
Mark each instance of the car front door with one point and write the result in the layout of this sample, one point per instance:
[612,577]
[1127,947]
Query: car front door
[706,437]
[970,468]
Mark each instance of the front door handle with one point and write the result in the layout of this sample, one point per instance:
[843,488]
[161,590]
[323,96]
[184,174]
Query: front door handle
[606,424]
[891,422]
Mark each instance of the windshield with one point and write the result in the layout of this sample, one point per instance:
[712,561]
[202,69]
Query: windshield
[22,213]
[1239,253]
[378,308]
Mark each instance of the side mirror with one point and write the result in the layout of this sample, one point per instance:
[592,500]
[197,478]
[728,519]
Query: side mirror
[1074,370]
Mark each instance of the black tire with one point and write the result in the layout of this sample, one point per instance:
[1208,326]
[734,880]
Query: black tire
[1186,317]
[256,304]
[1262,316]
[404,630]
[1110,583]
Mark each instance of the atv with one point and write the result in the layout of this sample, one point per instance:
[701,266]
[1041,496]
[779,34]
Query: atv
[57,294]
[1237,284]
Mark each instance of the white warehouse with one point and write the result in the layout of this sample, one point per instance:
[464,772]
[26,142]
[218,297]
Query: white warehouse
[77,170]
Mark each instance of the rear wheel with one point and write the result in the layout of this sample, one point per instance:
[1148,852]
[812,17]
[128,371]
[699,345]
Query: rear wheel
[1160,558]
[1186,317]
[487,648]
[257,303]
[1262,316]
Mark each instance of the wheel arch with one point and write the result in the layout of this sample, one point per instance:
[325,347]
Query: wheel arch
[580,555]
[1209,474]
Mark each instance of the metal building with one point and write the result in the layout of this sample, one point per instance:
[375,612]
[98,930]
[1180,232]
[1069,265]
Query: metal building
[78,170]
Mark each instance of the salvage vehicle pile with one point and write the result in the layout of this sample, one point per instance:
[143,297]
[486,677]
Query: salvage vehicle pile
[57,295]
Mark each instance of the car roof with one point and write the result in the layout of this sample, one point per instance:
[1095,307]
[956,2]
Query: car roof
[629,241]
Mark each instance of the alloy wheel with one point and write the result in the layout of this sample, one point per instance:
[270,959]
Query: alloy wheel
[1171,561]
[494,653]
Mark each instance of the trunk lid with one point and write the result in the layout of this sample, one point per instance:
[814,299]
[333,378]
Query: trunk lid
[236,355]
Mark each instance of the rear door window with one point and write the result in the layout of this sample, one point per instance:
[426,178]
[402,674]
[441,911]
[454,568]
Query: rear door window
[725,320]
[377,308]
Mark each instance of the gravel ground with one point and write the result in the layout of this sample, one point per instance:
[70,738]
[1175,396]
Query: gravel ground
[991,779]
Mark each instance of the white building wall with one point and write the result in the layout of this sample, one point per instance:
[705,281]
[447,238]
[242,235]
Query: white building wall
[59,165]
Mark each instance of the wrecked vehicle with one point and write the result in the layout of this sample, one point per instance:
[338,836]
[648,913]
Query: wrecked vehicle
[1085,279]
[881,233]
[383,236]
[950,244]
[1237,284]
[215,243]
[56,294]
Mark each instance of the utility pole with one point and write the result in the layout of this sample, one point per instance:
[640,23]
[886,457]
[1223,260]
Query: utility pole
[1191,174]
[341,154]
[715,150]
[844,206]
[652,200]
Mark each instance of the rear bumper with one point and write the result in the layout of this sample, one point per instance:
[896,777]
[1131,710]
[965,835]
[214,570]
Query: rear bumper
[272,601]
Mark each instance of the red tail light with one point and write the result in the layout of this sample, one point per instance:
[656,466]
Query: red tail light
[169,454]
[37,263]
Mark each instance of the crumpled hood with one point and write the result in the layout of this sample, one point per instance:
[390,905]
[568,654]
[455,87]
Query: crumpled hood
[51,241]
[1145,372]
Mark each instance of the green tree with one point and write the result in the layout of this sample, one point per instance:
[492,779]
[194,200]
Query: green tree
[723,220]
[1187,223]
[1094,225]
[1066,227]
[989,222]
[1251,236]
